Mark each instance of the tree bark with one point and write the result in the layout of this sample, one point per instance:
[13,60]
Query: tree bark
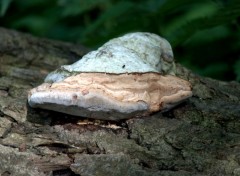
[199,137]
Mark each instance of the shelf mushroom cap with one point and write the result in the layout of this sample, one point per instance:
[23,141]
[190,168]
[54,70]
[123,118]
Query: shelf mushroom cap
[138,52]
[130,76]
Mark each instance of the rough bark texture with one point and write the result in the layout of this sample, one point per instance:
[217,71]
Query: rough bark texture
[199,137]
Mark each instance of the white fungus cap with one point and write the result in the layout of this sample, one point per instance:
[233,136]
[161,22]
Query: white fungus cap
[138,52]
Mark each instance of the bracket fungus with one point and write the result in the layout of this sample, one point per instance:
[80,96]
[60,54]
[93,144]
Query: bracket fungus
[129,76]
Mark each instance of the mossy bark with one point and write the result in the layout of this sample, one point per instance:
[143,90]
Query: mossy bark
[199,137]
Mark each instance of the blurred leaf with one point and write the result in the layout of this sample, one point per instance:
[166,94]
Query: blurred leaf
[215,70]
[151,6]
[197,11]
[208,35]
[4,5]
[116,11]
[224,15]
[77,7]
[237,69]
[172,6]
[33,23]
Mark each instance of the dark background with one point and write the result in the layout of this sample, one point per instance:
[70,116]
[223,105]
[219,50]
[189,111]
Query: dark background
[205,34]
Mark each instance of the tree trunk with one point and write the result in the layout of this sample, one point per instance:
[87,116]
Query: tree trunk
[199,137]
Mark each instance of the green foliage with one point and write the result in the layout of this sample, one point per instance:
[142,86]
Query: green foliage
[204,33]
[237,69]
[4,4]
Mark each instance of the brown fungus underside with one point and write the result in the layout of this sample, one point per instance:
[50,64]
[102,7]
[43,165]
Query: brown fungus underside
[111,96]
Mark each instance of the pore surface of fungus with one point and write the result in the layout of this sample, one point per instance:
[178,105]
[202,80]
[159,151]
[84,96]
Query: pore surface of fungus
[130,76]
